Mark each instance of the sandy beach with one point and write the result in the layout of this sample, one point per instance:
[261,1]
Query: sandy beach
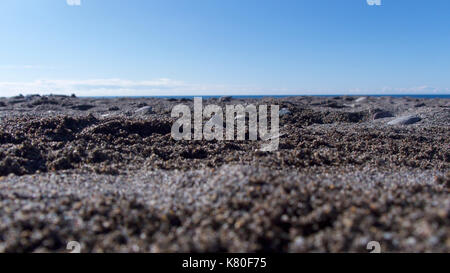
[106,172]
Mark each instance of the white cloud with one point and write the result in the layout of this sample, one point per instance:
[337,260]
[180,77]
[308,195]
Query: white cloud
[116,87]
[424,89]
[169,87]
[26,66]
[121,87]
[73,2]
[388,90]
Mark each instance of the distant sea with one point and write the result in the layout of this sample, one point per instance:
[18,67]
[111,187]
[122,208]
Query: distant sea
[445,96]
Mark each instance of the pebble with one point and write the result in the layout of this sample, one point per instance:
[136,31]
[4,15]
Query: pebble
[146,110]
[361,99]
[299,244]
[411,241]
[382,114]
[405,120]
[225,99]
[350,105]
[284,111]
[83,107]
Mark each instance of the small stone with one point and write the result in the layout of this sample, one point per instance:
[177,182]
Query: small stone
[433,240]
[20,96]
[418,105]
[350,105]
[382,114]
[284,111]
[405,120]
[361,99]
[146,110]
[225,99]
[411,241]
[299,244]
[83,107]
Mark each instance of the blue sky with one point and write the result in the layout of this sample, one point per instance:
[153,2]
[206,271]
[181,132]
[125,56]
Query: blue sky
[205,47]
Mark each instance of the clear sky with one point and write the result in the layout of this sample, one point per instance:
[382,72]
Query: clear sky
[201,47]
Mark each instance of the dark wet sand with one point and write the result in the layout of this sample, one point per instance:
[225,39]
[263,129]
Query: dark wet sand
[99,172]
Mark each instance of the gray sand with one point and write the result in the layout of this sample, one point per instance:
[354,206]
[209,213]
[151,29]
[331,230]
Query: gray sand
[99,172]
